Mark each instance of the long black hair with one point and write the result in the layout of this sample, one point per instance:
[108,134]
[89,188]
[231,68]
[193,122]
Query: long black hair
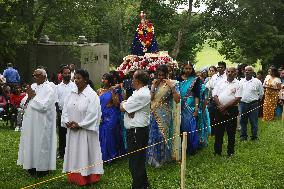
[116,76]
[163,68]
[110,78]
[274,71]
[188,64]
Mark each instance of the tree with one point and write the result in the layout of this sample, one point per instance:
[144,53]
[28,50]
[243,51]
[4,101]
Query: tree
[248,30]
[8,31]
[112,21]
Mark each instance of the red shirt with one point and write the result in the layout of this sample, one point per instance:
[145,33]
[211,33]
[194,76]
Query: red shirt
[16,99]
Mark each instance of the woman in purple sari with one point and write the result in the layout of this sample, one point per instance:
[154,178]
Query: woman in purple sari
[110,100]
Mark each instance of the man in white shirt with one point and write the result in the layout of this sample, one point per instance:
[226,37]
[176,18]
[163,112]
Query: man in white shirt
[252,93]
[72,69]
[63,90]
[37,149]
[136,121]
[227,95]
[219,76]
[211,84]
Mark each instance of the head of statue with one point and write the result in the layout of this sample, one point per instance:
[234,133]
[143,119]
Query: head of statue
[143,18]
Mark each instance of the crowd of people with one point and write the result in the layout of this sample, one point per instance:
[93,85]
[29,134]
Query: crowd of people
[127,114]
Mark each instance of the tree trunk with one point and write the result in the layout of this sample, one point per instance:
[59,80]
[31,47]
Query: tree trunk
[181,31]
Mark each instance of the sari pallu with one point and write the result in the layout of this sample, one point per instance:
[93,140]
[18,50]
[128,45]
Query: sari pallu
[161,128]
[188,121]
[110,133]
[203,122]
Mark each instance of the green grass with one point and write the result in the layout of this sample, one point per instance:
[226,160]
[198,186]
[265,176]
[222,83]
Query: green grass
[257,164]
[209,56]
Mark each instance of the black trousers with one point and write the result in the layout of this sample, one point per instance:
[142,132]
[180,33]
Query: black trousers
[230,126]
[62,131]
[136,139]
[212,114]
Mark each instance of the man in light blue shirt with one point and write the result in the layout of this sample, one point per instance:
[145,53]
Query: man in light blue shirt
[12,76]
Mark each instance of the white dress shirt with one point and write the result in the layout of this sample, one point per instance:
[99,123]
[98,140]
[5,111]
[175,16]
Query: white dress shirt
[216,78]
[139,104]
[72,75]
[63,90]
[227,91]
[252,90]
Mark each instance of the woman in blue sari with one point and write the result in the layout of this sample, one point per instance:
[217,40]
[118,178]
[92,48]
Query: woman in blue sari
[161,129]
[190,94]
[110,100]
[203,122]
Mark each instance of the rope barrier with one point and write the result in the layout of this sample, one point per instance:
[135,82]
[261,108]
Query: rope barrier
[144,148]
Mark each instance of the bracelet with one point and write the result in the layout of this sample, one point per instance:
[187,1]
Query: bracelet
[153,90]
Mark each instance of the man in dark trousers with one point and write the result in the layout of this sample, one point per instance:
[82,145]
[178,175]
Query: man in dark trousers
[211,84]
[227,94]
[136,121]
[63,90]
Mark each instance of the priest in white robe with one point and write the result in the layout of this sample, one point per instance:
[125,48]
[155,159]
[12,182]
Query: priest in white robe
[37,149]
[81,115]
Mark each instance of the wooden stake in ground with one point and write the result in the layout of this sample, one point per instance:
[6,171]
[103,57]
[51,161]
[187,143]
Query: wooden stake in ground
[183,160]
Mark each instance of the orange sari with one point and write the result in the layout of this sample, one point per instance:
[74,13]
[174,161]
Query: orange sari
[271,98]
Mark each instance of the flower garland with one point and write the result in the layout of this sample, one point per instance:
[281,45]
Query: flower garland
[148,62]
[145,40]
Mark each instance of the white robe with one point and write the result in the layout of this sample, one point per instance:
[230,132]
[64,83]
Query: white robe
[82,146]
[37,147]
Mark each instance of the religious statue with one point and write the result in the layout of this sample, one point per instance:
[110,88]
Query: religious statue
[144,40]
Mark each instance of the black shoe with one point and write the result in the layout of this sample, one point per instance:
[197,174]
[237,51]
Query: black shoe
[243,139]
[60,157]
[32,172]
[41,173]
[230,155]
[254,138]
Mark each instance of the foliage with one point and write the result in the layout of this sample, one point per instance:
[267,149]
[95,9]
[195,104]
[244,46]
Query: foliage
[112,22]
[8,31]
[257,164]
[248,30]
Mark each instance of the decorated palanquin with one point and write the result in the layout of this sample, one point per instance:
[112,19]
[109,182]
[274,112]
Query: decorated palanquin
[145,53]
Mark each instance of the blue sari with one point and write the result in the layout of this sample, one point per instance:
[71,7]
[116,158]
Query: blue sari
[188,121]
[161,127]
[204,128]
[110,132]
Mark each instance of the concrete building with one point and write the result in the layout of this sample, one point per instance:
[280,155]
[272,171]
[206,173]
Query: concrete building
[93,57]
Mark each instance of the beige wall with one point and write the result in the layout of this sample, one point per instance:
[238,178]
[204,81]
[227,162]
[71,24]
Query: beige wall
[95,59]
[92,56]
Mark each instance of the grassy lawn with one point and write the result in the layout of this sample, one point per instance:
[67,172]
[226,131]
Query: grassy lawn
[209,56]
[257,164]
